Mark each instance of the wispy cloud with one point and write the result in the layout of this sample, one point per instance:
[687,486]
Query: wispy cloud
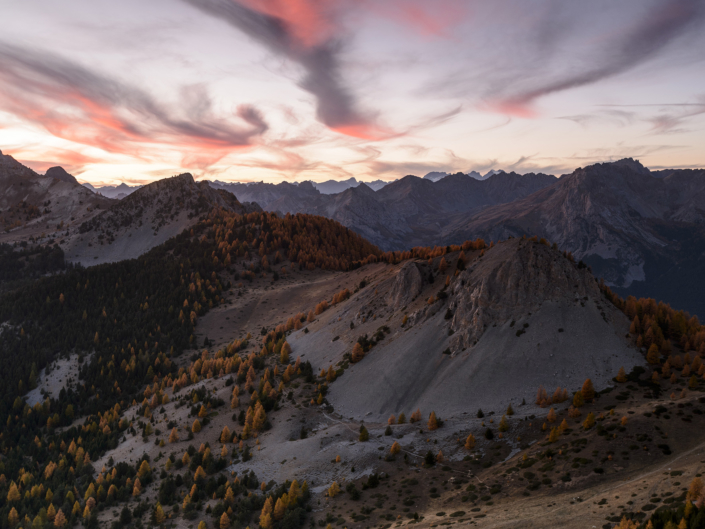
[641,41]
[78,104]
[305,32]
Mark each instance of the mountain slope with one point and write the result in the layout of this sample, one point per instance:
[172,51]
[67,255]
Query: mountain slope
[146,218]
[32,205]
[520,315]
[635,230]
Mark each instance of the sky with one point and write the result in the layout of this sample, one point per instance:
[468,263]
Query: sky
[272,90]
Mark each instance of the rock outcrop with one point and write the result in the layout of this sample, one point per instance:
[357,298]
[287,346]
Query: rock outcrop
[407,285]
[509,283]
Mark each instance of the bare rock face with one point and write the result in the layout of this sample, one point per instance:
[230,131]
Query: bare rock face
[510,282]
[407,285]
[60,174]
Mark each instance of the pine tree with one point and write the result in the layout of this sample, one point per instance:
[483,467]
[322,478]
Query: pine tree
[401,419]
[364,434]
[432,421]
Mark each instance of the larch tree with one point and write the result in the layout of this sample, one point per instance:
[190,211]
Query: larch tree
[553,436]
[416,416]
[621,375]
[401,419]
[696,491]
[13,518]
[432,421]
[358,353]
[279,510]
[224,521]
[395,449]
[578,400]
[443,265]
[225,435]
[392,419]
[364,434]
[503,424]
[13,494]
[334,490]
[196,427]
[589,421]
[470,442]
[174,435]
[588,390]
[510,410]
[652,356]
[551,417]
[159,515]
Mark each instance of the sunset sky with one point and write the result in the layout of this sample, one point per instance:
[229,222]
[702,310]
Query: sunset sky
[250,90]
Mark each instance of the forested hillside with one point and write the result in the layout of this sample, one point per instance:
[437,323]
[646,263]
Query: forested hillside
[128,321]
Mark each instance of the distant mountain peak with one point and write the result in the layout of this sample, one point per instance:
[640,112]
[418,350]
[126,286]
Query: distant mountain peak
[60,174]
[632,164]
[435,176]
[331,187]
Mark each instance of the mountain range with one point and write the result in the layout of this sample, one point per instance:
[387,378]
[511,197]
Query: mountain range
[642,231]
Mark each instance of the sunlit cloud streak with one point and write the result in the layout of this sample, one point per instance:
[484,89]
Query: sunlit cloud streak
[83,106]
[303,32]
